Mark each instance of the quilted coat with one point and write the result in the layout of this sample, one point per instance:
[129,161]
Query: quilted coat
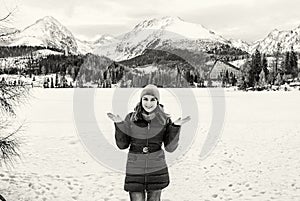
[146,167]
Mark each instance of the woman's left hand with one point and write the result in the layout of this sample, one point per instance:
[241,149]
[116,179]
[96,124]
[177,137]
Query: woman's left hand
[180,121]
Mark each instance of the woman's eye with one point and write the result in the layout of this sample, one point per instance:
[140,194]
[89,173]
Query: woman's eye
[145,99]
[152,99]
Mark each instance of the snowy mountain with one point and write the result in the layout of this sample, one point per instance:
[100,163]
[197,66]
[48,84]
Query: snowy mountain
[162,33]
[286,39]
[240,44]
[104,39]
[46,32]
[89,46]
[84,46]
[166,33]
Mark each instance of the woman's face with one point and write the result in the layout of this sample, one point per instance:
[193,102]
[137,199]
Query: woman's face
[149,103]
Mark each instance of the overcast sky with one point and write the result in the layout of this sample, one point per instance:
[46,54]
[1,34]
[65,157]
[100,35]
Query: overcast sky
[248,20]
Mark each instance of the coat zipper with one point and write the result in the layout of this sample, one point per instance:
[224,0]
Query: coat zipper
[146,165]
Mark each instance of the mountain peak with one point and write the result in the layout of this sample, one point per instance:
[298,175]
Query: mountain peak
[104,38]
[158,23]
[177,27]
[47,32]
[48,20]
[171,18]
[286,39]
[274,31]
[45,23]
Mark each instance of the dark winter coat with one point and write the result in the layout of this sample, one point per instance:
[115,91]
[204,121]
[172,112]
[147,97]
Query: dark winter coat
[146,168]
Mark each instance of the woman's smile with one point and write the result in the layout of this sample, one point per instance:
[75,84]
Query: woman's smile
[149,103]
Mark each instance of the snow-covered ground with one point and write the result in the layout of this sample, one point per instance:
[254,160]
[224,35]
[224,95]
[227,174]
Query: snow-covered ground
[256,158]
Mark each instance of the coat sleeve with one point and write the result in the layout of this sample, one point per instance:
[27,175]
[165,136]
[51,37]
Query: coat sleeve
[171,136]
[121,133]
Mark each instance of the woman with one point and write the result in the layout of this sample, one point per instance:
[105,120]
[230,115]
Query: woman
[144,131]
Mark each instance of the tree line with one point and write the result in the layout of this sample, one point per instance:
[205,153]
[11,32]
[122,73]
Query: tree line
[259,71]
[16,51]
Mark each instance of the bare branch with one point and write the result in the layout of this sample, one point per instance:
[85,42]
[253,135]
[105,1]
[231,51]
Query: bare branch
[9,148]
[6,17]
[9,15]
[10,96]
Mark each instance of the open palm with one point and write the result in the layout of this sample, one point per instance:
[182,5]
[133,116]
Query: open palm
[180,121]
[114,118]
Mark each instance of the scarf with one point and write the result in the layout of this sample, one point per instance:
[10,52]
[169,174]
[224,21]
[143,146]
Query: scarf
[150,116]
[158,112]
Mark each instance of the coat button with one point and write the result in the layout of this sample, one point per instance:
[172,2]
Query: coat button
[145,150]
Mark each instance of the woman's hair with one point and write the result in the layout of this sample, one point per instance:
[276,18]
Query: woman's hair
[159,112]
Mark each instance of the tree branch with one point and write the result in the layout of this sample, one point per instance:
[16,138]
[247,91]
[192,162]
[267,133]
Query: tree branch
[10,13]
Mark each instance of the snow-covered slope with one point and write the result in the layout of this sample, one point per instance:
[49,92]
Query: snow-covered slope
[104,40]
[178,28]
[47,32]
[89,46]
[167,33]
[4,31]
[7,34]
[84,47]
[240,44]
[285,39]
[45,52]
[170,32]
[146,69]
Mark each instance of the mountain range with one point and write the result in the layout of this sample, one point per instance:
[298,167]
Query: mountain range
[158,33]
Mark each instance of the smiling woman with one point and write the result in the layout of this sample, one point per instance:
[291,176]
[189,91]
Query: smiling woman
[144,131]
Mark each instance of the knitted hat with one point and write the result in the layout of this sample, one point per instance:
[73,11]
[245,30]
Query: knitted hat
[151,89]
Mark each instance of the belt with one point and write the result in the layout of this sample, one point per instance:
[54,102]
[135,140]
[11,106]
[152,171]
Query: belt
[144,149]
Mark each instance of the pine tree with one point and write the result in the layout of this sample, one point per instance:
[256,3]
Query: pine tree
[264,64]
[256,66]
[51,83]
[294,63]
[278,79]
[56,80]
[262,78]
[286,65]
[275,64]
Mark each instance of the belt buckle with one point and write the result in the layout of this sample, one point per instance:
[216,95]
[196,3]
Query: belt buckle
[145,150]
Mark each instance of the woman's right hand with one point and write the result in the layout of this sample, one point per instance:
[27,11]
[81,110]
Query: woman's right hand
[114,118]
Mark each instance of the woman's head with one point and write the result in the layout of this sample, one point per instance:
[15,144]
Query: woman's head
[150,98]
[149,102]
